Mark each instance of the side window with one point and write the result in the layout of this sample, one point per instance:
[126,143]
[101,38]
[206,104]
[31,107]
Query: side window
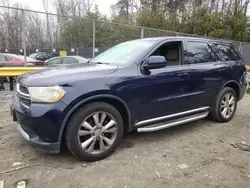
[171,51]
[199,52]
[228,52]
[2,58]
[8,58]
[54,61]
[69,60]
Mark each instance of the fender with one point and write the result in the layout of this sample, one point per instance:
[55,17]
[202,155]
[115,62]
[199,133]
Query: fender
[231,81]
[85,101]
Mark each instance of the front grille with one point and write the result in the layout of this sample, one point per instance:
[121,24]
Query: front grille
[23,96]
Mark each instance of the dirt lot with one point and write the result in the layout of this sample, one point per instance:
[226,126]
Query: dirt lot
[142,160]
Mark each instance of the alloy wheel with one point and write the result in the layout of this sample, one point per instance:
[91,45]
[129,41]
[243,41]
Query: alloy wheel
[97,132]
[227,105]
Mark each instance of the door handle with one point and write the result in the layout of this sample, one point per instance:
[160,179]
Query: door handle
[184,74]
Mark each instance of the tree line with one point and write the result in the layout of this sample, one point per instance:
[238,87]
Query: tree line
[210,18]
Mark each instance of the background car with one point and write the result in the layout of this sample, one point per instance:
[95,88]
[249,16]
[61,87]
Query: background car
[54,54]
[17,60]
[65,60]
[43,56]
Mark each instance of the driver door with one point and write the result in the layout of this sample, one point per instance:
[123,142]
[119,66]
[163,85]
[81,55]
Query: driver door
[166,90]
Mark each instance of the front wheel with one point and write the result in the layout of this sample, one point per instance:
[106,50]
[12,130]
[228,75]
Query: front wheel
[94,131]
[225,106]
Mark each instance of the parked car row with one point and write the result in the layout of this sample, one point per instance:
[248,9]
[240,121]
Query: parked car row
[39,59]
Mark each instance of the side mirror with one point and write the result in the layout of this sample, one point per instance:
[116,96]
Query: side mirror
[155,62]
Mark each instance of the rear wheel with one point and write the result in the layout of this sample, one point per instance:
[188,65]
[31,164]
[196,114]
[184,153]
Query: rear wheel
[225,106]
[94,131]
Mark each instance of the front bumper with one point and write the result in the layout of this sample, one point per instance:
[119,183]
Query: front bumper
[39,125]
[40,145]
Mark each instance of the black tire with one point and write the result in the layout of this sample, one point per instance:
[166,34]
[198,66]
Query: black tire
[71,132]
[216,113]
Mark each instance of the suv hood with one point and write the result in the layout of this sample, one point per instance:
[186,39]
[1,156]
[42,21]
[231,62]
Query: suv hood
[65,74]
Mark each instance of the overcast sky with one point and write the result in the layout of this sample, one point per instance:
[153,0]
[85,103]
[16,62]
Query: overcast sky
[104,5]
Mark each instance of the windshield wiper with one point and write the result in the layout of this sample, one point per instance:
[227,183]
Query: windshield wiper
[101,63]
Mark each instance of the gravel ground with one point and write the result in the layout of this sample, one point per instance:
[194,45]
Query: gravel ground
[142,159]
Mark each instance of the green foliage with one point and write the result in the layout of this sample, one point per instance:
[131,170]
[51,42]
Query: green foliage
[186,16]
[229,22]
[152,19]
[79,33]
[76,33]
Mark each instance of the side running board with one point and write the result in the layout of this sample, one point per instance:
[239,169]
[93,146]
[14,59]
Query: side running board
[179,121]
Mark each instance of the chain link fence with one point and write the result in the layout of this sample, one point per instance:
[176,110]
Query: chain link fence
[26,32]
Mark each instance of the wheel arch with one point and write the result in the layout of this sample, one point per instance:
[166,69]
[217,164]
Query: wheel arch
[115,101]
[235,86]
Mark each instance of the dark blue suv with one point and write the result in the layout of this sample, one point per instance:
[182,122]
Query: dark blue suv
[144,85]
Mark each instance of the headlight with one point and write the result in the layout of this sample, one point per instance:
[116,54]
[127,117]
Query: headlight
[51,94]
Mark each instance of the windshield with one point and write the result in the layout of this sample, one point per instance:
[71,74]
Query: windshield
[123,53]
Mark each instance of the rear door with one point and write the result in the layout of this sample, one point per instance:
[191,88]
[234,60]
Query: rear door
[233,59]
[207,72]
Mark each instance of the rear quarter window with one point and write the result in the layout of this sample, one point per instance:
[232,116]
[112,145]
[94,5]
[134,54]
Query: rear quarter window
[228,52]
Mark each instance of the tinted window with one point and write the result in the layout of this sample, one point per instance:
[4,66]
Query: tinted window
[69,60]
[44,55]
[54,61]
[228,52]
[8,58]
[2,58]
[199,52]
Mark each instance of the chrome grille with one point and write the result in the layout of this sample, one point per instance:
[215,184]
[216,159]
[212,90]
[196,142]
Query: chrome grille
[23,96]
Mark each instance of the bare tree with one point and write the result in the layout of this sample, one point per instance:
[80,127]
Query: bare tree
[88,5]
[11,28]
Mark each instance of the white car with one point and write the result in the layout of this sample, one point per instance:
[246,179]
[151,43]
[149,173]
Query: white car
[65,60]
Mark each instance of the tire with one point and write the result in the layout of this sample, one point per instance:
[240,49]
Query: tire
[217,110]
[77,125]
